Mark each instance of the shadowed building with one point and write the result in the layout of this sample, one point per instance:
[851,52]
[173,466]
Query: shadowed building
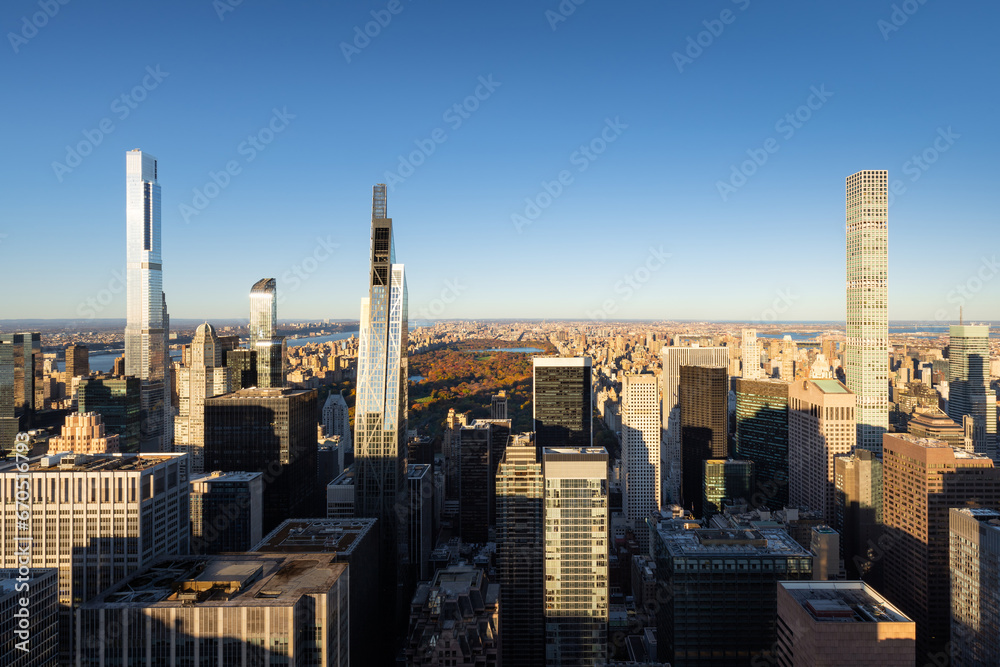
[704,420]
[858,511]
[975,586]
[969,391]
[762,437]
[562,402]
[118,401]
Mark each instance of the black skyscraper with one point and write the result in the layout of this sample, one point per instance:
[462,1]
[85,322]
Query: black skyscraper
[562,402]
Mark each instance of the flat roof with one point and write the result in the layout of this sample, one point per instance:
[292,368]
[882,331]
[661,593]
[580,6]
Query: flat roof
[219,476]
[831,386]
[561,361]
[732,542]
[843,602]
[339,536]
[94,462]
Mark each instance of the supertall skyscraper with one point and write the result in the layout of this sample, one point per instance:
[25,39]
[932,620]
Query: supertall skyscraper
[866,358]
[640,452]
[264,338]
[380,420]
[969,391]
[146,327]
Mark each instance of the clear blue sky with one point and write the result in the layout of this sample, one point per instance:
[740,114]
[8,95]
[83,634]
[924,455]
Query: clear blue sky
[655,186]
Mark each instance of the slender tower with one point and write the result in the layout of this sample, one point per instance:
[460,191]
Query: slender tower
[867,346]
[264,338]
[146,329]
[381,406]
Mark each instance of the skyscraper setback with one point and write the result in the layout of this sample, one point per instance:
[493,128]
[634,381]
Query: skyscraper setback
[146,327]
[866,358]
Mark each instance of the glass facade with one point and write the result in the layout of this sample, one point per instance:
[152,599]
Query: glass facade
[269,347]
[562,402]
[118,401]
[762,436]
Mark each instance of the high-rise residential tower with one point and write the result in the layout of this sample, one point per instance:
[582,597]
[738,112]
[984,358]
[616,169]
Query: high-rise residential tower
[751,355]
[264,339]
[203,377]
[146,327]
[640,438]
[969,391]
[380,413]
[562,401]
[576,555]
[866,358]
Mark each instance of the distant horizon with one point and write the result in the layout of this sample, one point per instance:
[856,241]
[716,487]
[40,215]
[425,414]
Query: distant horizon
[755,325]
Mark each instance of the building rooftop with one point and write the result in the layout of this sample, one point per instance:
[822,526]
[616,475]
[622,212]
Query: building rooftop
[69,462]
[831,386]
[219,476]
[745,541]
[337,536]
[224,581]
[933,443]
[415,470]
[843,602]
[345,478]
[257,393]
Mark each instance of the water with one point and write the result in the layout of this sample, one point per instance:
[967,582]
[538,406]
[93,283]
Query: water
[528,350]
[343,335]
[104,361]
[417,378]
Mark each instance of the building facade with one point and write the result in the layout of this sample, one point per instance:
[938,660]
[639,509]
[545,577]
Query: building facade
[562,404]
[974,561]
[750,354]
[203,377]
[84,433]
[762,436]
[39,646]
[640,442]
[969,391]
[119,402]
[704,420]
[858,511]
[866,355]
[227,511]
[270,348]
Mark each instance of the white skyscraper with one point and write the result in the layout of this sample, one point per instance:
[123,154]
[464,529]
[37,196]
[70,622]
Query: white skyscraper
[866,357]
[576,555]
[673,358]
[147,326]
[751,355]
[640,440]
[336,420]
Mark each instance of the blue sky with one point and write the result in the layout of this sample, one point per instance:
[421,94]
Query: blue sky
[639,227]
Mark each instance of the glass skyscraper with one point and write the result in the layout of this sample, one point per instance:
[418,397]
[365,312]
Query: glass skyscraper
[264,338]
[866,358]
[562,403]
[146,328]
[969,391]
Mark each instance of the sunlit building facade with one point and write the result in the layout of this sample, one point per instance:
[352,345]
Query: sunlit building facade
[264,339]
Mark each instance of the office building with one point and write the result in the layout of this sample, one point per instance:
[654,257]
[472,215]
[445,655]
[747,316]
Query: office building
[673,358]
[520,562]
[789,351]
[750,354]
[381,407]
[576,555]
[202,377]
[724,604]
[242,364]
[866,354]
[420,519]
[858,511]
[932,423]
[39,647]
[235,610]
[118,401]
[340,496]
[227,511]
[272,431]
[336,421]
[97,519]
[726,482]
[833,623]
[922,480]
[704,419]
[762,436]
[640,442]
[355,543]
[476,484]
[146,328]
[969,391]
[974,561]
[454,620]
[562,404]
[22,372]
[84,433]
[498,405]
[821,426]
[270,348]
[77,362]
[9,423]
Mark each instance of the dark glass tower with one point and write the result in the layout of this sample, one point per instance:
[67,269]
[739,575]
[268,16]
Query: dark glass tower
[264,339]
[562,402]
[704,396]
[119,402]
[762,436]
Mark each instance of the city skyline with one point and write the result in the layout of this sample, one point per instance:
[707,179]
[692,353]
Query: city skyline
[688,125]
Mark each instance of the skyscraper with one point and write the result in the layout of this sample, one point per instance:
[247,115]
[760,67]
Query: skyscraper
[9,423]
[562,401]
[77,362]
[922,480]
[118,401]
[264,339]
[858,511]
[640,439]
[975,594]
[866,358]
[520,558]
[751,355]
[820,427]
[762,436]
[204,377]
[381,407]
[146,327]
[726,480]
[336,419]
[576,555]
[969,391]
[673,358]
[704,421]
